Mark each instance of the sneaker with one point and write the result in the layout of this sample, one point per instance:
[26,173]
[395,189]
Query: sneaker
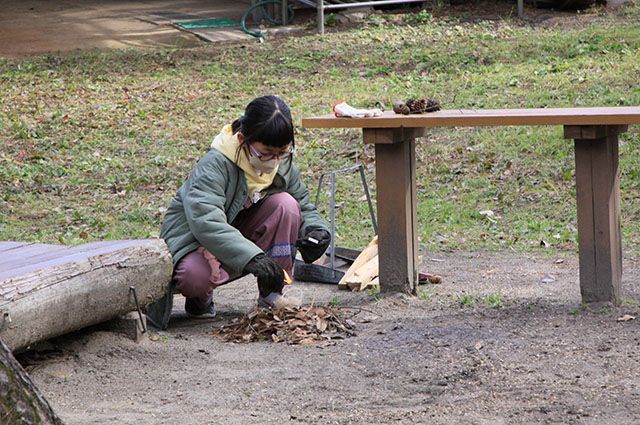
[277,300]
[208,313]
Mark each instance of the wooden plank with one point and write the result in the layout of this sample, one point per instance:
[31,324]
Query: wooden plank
[363,275]
[5,246]
[488,117]
[392,135]
[368,253]
[27,253]
[590,132]
[18,254]
[397,217]
[44,256]
[598,202]
[374,283]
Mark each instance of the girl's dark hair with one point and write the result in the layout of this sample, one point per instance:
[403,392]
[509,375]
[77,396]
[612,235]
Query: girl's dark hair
[266,119]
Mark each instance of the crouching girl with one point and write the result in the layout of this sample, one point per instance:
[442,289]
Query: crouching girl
[243,210]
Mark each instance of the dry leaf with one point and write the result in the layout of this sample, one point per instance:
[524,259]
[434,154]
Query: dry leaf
[321,324]
[297,322]
[297,325]
[626,318]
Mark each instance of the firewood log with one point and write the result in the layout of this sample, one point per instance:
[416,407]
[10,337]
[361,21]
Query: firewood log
[367,254]
[363,275]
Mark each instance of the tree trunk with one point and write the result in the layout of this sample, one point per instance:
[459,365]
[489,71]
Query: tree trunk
[50,290]
[20,401]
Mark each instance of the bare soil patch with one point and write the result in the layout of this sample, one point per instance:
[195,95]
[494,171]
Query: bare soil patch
[504,339]
[33,27]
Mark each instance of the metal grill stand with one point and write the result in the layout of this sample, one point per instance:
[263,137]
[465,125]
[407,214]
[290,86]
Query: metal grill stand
[323,274]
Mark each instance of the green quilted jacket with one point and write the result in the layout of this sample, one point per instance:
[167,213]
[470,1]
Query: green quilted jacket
[203,210]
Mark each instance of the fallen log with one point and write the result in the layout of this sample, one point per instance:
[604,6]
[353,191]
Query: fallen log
[50,290]
[20,400]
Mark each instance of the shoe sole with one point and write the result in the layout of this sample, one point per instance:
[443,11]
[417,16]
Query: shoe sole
[201,316]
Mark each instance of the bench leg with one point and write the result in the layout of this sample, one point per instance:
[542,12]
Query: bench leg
[397,217]
[598,200]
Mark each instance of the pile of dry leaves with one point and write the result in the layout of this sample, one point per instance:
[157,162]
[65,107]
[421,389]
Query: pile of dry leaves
[293,325]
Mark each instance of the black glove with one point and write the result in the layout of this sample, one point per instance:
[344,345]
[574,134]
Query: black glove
[313,245]
[269,273]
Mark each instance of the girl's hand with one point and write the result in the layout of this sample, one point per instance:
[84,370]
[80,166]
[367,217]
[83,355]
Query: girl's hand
[269,273]
[313,245]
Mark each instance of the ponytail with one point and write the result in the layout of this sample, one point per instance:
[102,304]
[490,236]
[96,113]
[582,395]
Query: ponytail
[236,125]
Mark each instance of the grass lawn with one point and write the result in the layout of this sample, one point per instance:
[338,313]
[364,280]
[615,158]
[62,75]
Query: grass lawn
[94,145]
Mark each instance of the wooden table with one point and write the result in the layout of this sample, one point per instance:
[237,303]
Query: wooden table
[595,132]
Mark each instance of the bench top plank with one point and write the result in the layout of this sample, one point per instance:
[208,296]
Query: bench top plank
[7,245]
[614,115]
[22,258]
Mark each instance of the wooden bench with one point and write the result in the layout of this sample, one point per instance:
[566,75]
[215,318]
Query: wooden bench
[595,132]
[49,290]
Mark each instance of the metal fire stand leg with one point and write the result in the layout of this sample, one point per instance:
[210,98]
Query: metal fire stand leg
[333,202]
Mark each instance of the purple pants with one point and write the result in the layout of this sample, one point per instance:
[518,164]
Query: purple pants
[272,225]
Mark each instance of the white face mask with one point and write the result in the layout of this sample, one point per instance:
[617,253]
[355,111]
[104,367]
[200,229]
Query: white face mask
[264,166]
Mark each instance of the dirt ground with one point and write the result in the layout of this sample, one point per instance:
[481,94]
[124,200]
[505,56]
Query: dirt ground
[29,27]
[503,340]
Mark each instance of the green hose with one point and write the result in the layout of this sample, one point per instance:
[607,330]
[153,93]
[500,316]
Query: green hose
[266,15]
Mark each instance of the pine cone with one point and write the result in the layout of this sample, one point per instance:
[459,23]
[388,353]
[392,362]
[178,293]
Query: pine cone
[414,106]
[422,105]
[417,106]
[432,106]
[401,108]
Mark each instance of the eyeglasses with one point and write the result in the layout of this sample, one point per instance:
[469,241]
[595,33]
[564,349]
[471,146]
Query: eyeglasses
[269,157]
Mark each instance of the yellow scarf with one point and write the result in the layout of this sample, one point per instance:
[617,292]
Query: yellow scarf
[227,143]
